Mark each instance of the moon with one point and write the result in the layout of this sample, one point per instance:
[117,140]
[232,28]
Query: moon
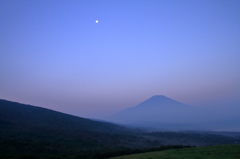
[96,21]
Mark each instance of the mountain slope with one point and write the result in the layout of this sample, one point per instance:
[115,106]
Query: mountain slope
[27,118]
[33,126]
[32,132]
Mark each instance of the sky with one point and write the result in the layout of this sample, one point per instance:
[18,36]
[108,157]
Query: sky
[53,54]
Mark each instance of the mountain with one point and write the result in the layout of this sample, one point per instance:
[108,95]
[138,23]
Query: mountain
[157,108]
[167,114]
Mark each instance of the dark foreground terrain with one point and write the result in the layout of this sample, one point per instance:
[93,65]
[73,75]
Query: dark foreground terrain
[34,132]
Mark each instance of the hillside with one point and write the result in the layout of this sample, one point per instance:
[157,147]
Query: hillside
[213,152]
[26,129]
[23,117]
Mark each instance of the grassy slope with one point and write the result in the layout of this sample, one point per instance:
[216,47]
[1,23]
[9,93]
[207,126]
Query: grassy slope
[210,152]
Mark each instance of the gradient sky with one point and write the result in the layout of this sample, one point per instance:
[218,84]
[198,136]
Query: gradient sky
[54,55]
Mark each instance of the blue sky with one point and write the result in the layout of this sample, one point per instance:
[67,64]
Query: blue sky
[54,55]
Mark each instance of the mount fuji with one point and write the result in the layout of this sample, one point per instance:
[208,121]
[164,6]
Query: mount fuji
[164,113]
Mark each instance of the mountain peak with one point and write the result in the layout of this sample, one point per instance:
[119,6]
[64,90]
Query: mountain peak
[157,100]
[159,97]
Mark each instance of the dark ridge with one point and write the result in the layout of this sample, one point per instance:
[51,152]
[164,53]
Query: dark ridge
[27,117]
